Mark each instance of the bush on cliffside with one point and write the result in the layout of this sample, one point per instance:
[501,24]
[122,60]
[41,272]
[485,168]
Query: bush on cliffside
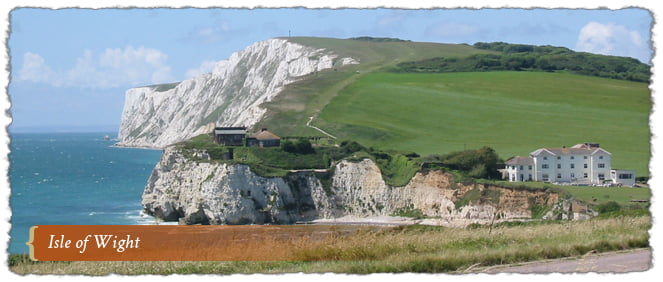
[480,163]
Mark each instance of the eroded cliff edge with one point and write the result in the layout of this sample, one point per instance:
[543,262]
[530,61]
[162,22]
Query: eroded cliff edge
[196,192]
[231,95]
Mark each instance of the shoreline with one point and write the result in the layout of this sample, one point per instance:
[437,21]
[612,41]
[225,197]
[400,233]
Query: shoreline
[370,220]
[400,220]
[119,145]
[384,220]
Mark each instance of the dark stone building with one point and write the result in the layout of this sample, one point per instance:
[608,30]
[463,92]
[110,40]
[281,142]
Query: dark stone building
[230,136]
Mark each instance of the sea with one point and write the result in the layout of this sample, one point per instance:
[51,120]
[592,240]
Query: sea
[75,179]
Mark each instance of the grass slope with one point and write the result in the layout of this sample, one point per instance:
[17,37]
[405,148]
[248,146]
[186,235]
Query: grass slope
[289,112]
[513,112]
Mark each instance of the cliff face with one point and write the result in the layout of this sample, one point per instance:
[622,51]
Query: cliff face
[231,95]
[215,193]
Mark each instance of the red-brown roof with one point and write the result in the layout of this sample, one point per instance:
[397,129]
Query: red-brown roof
[266,135]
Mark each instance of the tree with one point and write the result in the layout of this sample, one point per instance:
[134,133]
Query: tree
[302,146]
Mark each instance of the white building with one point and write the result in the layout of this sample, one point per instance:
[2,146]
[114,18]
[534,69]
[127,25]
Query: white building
[582,164]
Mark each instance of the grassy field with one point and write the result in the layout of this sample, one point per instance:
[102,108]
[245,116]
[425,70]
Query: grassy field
[290,110]
[625,197]
[426,249]
[513,112]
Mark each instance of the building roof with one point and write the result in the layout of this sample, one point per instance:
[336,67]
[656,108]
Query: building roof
[578,149]
[266,135]
[518,160]
[229,130]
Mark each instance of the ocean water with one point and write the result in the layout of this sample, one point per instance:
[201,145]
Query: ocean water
[74,179]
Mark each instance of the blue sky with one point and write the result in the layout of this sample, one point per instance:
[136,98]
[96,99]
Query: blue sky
[71,67]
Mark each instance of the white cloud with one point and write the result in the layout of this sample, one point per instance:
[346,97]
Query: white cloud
[113,68]
[612,39]
[35,69]
[205,67]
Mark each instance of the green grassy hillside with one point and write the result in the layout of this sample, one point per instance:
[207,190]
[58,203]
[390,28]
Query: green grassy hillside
[289,112]
[513,112]
[436,113]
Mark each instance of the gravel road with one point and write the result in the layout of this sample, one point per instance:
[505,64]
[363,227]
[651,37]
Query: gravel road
[616,262]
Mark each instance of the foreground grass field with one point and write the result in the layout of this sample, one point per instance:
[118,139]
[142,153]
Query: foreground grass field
[402,249]
[513,112]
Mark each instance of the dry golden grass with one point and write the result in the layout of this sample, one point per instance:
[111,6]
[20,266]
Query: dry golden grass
[402,249]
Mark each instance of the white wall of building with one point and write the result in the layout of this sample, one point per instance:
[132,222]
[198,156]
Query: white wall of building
[567,166]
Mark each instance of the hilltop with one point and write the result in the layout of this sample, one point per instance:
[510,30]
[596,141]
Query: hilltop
[390,94]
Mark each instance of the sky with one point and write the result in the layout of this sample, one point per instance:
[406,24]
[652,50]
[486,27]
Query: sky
[70,68]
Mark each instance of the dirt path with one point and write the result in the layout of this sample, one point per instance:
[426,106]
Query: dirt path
[317,128]
[615,262]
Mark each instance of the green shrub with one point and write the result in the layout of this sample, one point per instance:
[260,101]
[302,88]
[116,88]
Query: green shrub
[610,206]
[302,146]
[481,163]
[518,57]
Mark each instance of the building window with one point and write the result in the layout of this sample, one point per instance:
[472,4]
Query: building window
[544,166]
[572,157]
[585,165]
[559,175]
[545,158]
[559,165]
[584,175]
[584,157]
[559,158]
[521,167]
[601,165]
[600,157]
[573,175]
[529,178]
[544,177]
[529,167]
[625,176]
[573,166]
[601,176]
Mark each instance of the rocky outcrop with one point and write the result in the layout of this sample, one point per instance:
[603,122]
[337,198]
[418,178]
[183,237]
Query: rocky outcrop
[217,193]
[157,116]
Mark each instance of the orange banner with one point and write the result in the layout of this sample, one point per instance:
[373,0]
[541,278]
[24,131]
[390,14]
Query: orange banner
[171,242]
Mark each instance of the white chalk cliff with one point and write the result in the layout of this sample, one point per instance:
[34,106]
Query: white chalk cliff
[218,193]
[157,116]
